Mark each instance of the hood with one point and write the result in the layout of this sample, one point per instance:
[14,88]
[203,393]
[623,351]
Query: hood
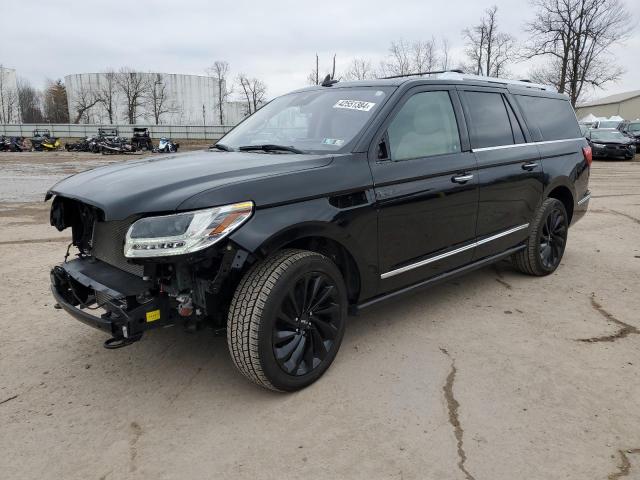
[622,141]
[162,184]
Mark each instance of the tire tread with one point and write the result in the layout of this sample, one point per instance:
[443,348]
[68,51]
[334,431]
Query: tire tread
[247,306]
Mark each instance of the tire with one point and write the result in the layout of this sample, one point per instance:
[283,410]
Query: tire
[270,343]
[543,252]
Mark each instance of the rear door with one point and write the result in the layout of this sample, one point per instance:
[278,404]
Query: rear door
[425,186]
[510,174]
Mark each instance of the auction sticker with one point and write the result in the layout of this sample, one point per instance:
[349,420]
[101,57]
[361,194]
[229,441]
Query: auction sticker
[354,105]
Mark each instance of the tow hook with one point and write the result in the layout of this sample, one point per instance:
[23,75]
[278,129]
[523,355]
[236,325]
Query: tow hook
[122,340]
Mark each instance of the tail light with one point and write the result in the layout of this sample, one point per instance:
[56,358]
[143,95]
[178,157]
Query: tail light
[588,155]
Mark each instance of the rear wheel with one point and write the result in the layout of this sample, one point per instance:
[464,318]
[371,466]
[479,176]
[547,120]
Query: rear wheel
[287,320]
[546,242]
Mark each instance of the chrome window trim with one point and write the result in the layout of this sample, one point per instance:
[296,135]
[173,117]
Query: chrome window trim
[427,261]
[513,145]
[585,198]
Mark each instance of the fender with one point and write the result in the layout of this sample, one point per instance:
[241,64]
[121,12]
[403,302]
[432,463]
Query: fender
[354,228]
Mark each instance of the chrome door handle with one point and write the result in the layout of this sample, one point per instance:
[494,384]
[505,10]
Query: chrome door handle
[462,178]
[530,166]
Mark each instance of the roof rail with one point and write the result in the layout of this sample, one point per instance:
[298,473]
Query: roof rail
[460,75]
[419,74]
[503,81]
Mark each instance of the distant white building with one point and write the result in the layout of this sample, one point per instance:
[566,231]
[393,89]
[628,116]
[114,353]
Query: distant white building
[625,105]
[9,103]
[167,99]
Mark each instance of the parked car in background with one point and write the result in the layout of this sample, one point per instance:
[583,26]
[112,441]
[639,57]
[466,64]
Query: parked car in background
[607,124]
[611,144]
[394,185]
[584,130]
[632,130]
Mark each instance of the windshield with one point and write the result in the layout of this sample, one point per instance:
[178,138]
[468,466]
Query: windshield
[607,135]
[311,121]
[634,127]
[608,124]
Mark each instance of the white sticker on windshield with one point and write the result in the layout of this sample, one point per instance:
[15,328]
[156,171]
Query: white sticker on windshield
[354,105]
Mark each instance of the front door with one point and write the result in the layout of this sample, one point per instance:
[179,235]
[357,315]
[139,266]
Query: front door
[426,189]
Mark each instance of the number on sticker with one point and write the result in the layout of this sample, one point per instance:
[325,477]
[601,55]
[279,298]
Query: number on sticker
[354,105]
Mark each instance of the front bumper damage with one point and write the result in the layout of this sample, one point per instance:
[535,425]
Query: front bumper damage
[85,286]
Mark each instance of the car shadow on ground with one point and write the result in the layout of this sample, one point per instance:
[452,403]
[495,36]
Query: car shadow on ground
[173,360]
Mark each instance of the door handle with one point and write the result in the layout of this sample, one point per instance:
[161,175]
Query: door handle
[462,178]
[530,166]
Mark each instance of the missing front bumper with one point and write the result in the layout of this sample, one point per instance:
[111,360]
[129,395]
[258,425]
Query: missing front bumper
[77,284]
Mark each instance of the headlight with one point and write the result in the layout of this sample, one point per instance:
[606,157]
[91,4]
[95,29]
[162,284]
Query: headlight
[598,145]
[184,232]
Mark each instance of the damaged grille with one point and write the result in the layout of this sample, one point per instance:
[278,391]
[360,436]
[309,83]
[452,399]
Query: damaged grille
[108,245]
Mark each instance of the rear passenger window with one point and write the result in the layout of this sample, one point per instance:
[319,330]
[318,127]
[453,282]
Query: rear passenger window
[549,118]
[490,125]
[424,126]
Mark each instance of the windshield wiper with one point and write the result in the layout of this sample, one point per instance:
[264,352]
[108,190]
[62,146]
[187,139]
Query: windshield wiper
[220,146]
[270,148]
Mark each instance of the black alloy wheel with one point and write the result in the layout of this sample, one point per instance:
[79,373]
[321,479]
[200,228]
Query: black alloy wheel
[287,319]
[307,324]
[553,238]
[546,242]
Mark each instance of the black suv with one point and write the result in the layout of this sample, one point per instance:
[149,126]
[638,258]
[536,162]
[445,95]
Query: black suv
[324,202]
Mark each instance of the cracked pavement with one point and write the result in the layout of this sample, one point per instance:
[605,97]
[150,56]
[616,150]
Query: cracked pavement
[515,396]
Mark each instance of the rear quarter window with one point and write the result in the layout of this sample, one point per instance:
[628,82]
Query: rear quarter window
[549,118]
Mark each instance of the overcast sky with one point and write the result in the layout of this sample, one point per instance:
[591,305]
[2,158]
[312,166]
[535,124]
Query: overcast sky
[274,40]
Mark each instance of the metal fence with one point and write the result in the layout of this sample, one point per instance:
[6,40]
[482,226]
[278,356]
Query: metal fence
[182,132]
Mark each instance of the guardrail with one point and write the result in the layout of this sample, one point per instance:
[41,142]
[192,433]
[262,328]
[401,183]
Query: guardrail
[70,130]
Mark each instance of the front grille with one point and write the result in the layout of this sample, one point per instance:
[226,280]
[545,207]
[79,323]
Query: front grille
[108,245]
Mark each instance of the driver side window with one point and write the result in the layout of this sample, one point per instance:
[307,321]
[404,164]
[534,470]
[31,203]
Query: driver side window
[424,126]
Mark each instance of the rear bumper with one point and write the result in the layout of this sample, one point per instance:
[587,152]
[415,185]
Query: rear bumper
[75,285]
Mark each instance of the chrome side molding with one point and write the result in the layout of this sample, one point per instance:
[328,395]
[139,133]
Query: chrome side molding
[516,145]
[429,260]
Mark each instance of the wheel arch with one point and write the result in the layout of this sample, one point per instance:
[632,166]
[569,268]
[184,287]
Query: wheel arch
[565,194]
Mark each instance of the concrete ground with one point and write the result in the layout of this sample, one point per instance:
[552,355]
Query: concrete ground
[494,375]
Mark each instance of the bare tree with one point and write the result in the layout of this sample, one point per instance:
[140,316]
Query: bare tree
[258,92]
[254,92]
[398,61]
[56,109]
[488,49]
[424,55]
[134,88]
[85,99]
[359,69]
[445,59]
[158,98]
[314,76]
[576,35]
[30,101]
[107,92]
[9,102]
[220,71]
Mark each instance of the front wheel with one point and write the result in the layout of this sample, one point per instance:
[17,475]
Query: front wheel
[547,240]
[287,320]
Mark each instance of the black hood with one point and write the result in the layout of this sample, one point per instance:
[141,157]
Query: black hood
[163,184]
